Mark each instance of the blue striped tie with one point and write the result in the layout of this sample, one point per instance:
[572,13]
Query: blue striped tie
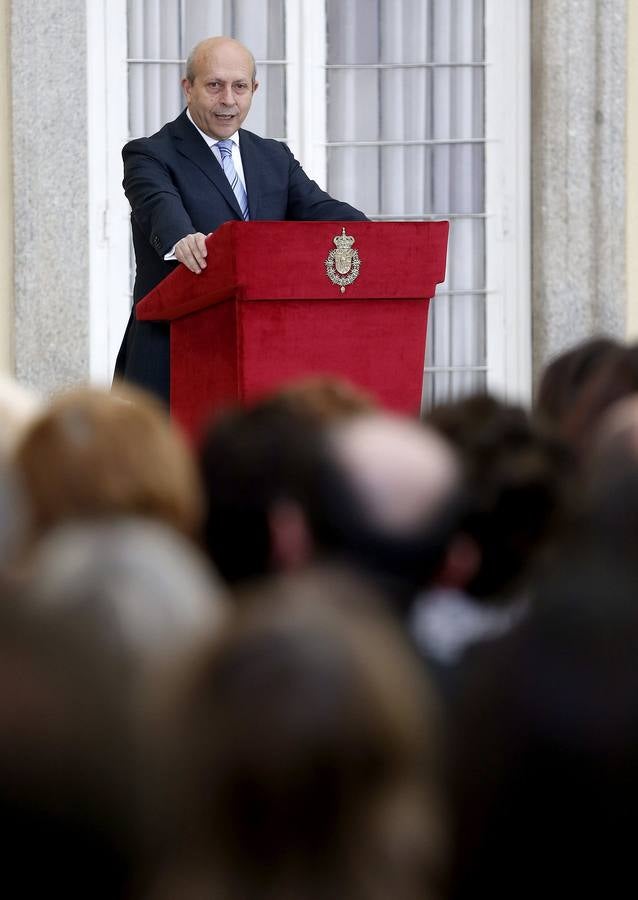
[225,148]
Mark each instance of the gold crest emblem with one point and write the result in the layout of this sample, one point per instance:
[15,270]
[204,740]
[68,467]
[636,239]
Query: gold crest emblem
[343,263]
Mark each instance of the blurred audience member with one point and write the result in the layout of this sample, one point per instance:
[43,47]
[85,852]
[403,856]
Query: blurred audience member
[96,454]
[261,467]
[614,377]
[306,756]
[546,745]
[397,514]
[568,375]
[325,399]
[517,480]
[377,491]
[141,588]
[608,502]
[259,470]
[68,781]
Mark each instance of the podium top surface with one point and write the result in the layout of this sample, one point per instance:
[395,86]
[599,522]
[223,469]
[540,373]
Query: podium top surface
[307,260]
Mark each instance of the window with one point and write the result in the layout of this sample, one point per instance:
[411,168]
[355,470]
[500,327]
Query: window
[409,109]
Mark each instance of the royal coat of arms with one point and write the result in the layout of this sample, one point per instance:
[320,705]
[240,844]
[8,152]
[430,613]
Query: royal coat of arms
[343,263]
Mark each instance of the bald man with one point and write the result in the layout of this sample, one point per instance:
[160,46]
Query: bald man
[182,185]
[401,511]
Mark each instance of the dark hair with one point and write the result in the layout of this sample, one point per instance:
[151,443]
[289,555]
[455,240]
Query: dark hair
[308,760]
[567,375]
[250,459]
[517,479]
[546,742]
[67,778]
[615,377]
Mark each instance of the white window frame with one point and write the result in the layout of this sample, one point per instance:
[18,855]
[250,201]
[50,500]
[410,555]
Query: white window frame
[306,115]
[109,241]
[508,199]
[507,177]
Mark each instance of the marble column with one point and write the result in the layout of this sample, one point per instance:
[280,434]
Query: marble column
[49,93]
[578,172]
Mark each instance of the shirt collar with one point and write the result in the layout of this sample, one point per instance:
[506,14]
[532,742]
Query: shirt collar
[211,141]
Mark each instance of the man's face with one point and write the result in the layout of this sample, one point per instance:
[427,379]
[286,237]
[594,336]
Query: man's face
[220,94]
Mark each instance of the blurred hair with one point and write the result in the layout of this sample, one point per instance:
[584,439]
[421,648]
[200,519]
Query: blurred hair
[94,454]
[567,375]
[309,752]
[144,591]
[546,742]
[608,501]
[67,775]
[324,398]
[252,459]
[615,377]
[517,486]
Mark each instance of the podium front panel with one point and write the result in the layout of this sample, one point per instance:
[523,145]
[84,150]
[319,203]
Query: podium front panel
[241,350]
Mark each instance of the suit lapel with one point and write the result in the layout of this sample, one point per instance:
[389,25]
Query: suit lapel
[251,162]
[190,144]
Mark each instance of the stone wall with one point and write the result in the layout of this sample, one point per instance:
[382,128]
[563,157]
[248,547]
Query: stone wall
[49,92]
[578,172]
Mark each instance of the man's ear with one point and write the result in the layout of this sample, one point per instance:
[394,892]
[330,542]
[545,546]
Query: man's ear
[291,544]
[186,87]
[255,86]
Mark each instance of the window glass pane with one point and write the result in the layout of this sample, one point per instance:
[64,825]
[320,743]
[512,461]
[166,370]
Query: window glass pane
[441,387]
[406,139]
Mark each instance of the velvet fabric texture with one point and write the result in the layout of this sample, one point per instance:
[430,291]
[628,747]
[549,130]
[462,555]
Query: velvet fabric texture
[264,312]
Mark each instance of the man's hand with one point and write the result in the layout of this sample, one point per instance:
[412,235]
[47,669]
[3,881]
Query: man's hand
[191,251]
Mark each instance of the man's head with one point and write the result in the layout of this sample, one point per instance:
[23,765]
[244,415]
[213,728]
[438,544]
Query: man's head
[399,506]
[403,472]
[378,492]
[219,85]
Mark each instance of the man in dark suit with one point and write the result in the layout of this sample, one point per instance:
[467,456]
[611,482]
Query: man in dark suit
[196,173]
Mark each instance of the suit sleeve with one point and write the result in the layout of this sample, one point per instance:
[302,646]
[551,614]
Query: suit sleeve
[156,205]
[307,202]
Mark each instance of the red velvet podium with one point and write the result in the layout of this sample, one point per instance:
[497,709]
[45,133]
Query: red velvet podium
[265,311]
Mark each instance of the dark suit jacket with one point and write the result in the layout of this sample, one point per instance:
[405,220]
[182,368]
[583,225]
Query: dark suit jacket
[176,187]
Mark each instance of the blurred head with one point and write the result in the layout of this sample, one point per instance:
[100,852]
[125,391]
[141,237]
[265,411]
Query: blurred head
[546,743]
[608,502]
[517,479]
[403,473]
[97,454]
[219,85]
[309,752]
[261,471]
[285,488]
[325,399]
[396,504]
[614,377]
[566,377]
[68,795]
[140,587]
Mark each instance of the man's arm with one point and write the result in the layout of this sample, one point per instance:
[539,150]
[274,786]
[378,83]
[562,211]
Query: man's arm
[306,200]
[158,209]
